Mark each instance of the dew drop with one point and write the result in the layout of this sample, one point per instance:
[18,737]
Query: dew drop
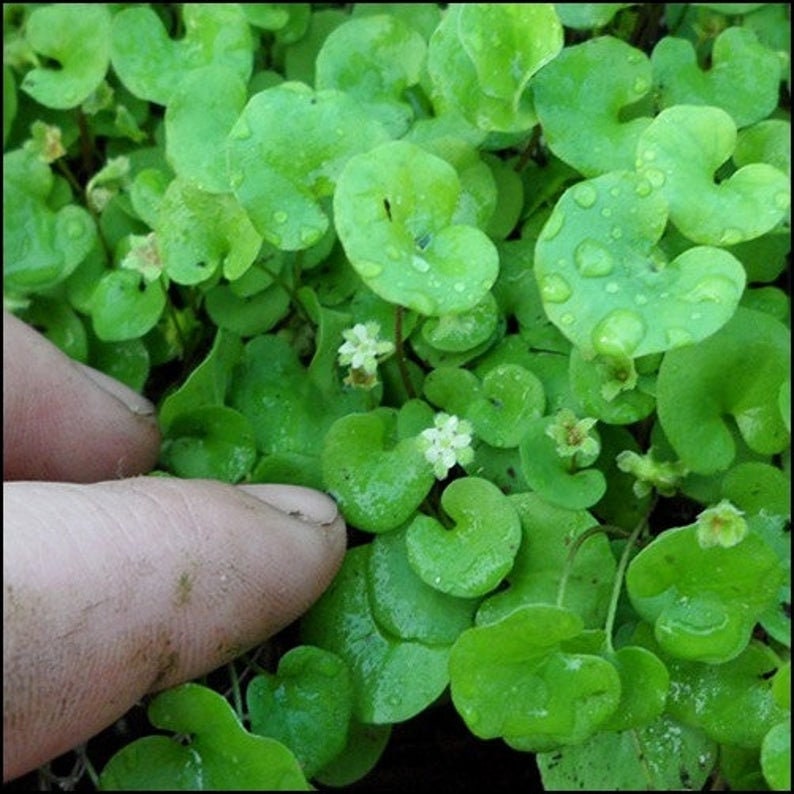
[782,200]
[394,700]
[641,85]
[649,154]
[640,299]
[593,259]
[419,264]
[655,176]
[553,225]
[678,337]
[567,319]
[585,195]
[555,289]
[606,212]
[643,188]
[713,289]
[619,333]
[616,233]
[612,288]
[309,235]
[74,229]
[614,192]
[459,287]
[369,269]
[280,216]
[731,237]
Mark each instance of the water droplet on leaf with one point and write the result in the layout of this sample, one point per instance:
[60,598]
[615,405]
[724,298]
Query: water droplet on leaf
[459,286]
[655,177]
[616,233]
[585,195]
[593,259]
[369,269]
[280,216]
[619,333]
[309,235]
[612,287]
[567,319]
[419,264]
[713,289]
[643,188]
[649,154]
[555,289]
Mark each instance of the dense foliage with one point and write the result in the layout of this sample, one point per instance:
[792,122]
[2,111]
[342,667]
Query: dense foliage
[508,282]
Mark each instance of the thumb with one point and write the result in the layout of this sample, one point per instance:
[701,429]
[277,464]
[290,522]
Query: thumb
[116,589]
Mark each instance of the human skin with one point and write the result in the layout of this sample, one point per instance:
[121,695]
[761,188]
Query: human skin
[116,585]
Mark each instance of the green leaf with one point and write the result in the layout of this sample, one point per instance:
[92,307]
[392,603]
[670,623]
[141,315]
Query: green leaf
[512,679]
[404,604]
[552,475]
[211,442]
[378,480]
[662,756]
[199,234]
[221,753]
[542,561]
[599,78]
[587,16]
[394,209]
[280,186]
[384,668]
[736,372]
[776,756]
[472,557]
[77,37]
[607,286]
[41,246]
[679,154]
[200,113]
[374,59]
[306,705]
[365,744]
[482,57]
[742,78]
[151,65]
[125,307]
[703,602]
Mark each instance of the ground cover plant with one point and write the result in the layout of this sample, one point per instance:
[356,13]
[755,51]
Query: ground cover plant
[509,281]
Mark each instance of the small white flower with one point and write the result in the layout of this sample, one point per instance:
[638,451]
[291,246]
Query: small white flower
[361,351]
[446,444]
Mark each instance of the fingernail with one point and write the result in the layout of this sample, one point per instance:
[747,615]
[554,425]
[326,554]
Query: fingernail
[132,400]
[305,504]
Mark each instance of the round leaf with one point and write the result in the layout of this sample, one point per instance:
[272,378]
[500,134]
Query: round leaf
[306,705]
[151,65]
[512,679]
[475,555]
[598,78]
[77,36]
[680,152]
[394,209]
[377,480]
[736,372]
[742,78]
[386,685]
[125,307]
[608,288]
[279,185]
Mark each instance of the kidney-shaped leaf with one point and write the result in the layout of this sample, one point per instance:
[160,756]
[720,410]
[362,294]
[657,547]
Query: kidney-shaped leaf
[512,679]
[393,208]
[475,555]
[221,755]
[77,36]
[282,159]
[703,602]
[598,79]
[608,288]
[736,372]
[306,705]
[679,154]
[151,65]
[742,78]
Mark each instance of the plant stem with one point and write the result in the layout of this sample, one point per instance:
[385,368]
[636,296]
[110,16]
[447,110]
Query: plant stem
[620,573]
[400,352]
[608,529]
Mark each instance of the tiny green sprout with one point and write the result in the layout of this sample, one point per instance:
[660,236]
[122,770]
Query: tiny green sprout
[144,257]
[721,525]
[621,376]
[663,475]
[45,142]
[361,351]
[446,444]
[573,437]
